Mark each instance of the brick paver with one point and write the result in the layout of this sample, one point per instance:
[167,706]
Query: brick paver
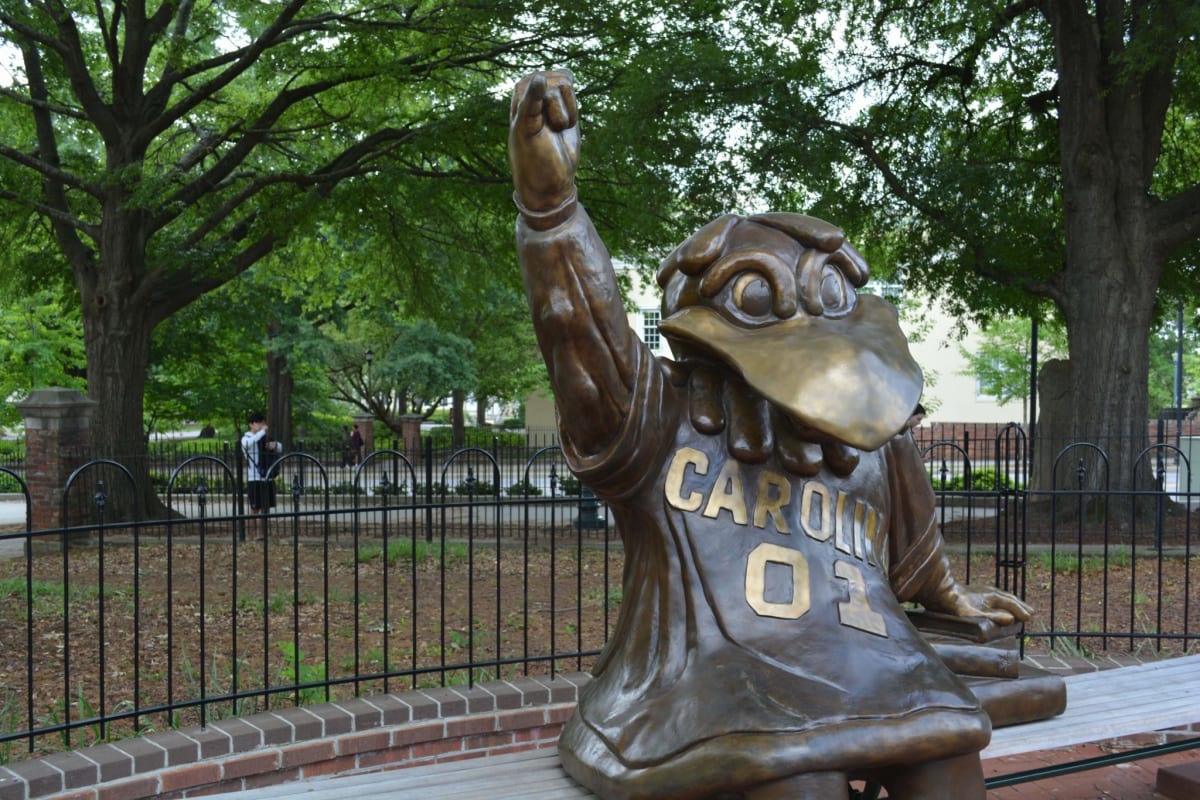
[1131,781]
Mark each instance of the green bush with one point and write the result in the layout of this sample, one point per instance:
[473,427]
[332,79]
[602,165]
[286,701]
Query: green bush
[438,489]
[981,480]
[476,488]
[523,488]
[443,437]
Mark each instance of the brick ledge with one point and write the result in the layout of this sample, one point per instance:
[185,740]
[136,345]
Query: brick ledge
[353,736]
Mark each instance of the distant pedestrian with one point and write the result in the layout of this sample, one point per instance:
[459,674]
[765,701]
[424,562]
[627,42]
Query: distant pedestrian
[260,453]
[347,444]
[356,443]
[917,417]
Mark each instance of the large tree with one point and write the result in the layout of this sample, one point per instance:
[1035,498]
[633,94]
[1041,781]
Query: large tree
[1011,153]
[169,147]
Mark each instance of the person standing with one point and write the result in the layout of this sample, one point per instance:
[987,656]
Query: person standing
[356,443]
[258,449]
[347,444]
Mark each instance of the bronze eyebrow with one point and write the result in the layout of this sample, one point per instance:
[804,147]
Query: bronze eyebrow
[778,273]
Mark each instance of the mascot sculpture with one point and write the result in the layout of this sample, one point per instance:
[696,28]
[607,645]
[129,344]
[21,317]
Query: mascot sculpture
[774,510]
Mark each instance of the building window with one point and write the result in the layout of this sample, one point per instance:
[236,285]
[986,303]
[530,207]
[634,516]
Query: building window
[650,335]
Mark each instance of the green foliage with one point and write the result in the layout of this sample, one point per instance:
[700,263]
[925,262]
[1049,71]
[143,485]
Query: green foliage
[1068,562]
[1164,351]
[350,156]
[1001,363]
[523,488]
[297,671]
[41,344]
[413,550]
[443,438]
[981,480]
[475,488]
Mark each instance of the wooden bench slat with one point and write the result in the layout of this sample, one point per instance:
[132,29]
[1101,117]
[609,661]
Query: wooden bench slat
[1112,703]
[531,775]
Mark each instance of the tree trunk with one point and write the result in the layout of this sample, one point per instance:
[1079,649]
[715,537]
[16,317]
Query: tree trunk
[117,339]
[279,394]
[457,424]
[1109,369]
[1054,427]
[1109,127]
[481,411]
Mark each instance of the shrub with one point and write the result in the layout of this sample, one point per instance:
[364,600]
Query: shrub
[981,480]
[522,488]
[476,488]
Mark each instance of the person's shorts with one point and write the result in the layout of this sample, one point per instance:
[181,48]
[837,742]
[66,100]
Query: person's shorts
[262,494]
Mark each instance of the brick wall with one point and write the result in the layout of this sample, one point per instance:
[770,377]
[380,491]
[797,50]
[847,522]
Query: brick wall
[359,735]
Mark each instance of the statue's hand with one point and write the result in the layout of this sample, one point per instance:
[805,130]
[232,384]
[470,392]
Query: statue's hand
[543,142]
[982,601]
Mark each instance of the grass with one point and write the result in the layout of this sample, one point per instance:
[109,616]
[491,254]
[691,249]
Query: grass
[1065,562]
[410,550]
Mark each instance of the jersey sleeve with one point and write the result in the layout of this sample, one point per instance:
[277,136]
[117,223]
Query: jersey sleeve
[608,387]
[916,550]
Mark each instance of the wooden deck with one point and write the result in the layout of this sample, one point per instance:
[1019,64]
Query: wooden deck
[1100,705]
[532,775]
[1109,704]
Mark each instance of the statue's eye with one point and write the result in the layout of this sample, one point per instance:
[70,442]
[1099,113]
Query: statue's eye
[752,294]
[835,296]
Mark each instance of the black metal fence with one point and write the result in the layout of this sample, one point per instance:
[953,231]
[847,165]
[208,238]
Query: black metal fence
[411,571]
[1105,568]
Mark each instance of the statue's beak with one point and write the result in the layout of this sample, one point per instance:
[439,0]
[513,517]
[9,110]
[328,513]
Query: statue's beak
[852,378]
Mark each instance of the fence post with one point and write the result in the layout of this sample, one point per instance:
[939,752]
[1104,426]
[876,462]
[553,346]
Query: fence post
[58,422]
[428,487]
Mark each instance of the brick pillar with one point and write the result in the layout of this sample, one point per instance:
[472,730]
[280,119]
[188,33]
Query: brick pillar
[366,426]
[410,432]
[57,424]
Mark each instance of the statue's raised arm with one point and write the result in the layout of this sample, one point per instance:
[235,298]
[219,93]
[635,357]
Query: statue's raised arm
[577,311]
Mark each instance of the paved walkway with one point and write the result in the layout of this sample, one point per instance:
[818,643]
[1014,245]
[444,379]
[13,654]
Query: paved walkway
[1132,781]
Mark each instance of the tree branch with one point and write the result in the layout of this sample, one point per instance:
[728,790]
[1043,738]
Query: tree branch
[239,61]
[49,171]
[66,227]
[860,139]
[54,214]
[53,108]
[257,132]
[1178,218]
[70,50]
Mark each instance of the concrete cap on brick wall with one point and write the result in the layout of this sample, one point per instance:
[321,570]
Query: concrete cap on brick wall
[57,408]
